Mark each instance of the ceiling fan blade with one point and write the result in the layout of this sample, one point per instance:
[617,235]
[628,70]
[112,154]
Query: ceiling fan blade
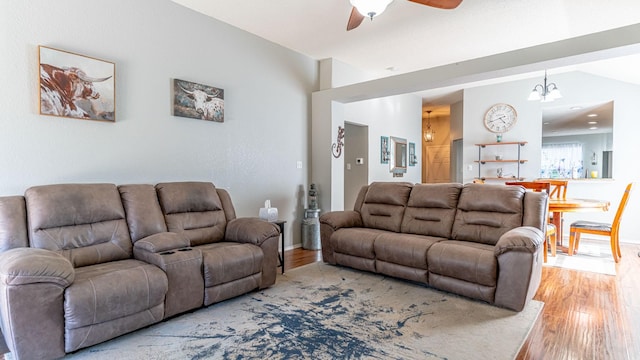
[440,4]
[355,19]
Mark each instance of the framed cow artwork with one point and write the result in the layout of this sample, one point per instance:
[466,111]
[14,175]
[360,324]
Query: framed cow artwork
[197,101]
[76,86]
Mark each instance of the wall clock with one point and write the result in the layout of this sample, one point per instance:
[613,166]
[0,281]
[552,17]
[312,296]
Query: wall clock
[500,118]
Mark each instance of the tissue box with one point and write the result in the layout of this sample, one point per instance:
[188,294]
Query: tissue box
[269,214]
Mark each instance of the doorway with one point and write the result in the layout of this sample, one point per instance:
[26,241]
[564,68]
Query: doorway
[356,161]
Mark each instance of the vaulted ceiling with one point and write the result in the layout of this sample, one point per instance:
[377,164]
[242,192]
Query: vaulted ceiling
[409,37]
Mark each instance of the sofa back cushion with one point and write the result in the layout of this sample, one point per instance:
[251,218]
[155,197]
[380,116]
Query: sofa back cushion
[485,212]
[384,204]
[13,223]
[194,210]
[144,215]
[431,209]
[83,222]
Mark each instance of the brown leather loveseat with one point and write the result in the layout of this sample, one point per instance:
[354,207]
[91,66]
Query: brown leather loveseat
[83,263]
[480,241]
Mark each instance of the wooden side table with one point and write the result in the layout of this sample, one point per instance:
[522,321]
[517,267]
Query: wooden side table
[280,224]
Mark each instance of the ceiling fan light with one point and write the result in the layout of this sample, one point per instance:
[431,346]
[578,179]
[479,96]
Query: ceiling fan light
[370,8]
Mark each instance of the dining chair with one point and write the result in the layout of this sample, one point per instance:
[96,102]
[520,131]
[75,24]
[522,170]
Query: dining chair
[558,188]
[598,228]
[550,233]
[557,191]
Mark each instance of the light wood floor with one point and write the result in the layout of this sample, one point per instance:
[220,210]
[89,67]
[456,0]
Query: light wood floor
[586,315]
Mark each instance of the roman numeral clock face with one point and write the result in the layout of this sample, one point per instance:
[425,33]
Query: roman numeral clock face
[500,118]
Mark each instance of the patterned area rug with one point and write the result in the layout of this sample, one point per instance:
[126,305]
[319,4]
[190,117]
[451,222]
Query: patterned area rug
[321,311]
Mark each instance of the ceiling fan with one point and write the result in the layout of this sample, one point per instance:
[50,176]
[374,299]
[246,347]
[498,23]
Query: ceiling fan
[373,8]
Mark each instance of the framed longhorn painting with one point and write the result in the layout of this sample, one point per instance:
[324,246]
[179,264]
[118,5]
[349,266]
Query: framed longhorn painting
[198,101]
[76,86]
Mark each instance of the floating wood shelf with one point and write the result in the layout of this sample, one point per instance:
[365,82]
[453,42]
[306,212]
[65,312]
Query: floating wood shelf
[521,143]
[501,161]
[504,178]
[482,161]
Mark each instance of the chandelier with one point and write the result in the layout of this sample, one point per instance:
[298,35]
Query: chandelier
[370,8]
[546,92]
[428,134]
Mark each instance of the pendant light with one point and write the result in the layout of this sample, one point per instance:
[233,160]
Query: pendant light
[428,134]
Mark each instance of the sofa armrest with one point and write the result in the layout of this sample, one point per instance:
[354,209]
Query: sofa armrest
[264,234]
[522,239]
[250,230]
[32,286]
[519,254]
[341,219]
[161,242]
[331,222]
[22,266]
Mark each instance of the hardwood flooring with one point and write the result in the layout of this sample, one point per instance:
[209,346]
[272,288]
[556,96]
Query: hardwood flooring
[586,315]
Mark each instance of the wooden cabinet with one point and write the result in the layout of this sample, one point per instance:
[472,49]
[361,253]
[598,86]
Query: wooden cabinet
[509,154]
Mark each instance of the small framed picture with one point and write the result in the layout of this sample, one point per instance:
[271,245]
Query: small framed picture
[384,149]
[198,101]
[413,159]
[76,86]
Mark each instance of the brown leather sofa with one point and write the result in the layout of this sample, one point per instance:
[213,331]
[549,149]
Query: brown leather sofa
[480,241]
[84,263]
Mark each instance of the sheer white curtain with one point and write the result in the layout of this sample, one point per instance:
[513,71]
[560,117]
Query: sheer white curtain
[561,161]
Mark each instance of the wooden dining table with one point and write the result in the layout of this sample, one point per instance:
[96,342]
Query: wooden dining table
[560,206]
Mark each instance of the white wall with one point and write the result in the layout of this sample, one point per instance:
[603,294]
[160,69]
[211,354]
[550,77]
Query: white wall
[399,116]
[576,88]
[476,102]
[253,153]
[327,104]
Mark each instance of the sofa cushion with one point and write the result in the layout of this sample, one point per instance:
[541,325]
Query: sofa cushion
[431,209]
[404,249]
[356,241]
[193,209]
[485,212]
[463,260]
[384,205]
[13,223]
[113,290]
[83,222]
[224,262]
[144,215]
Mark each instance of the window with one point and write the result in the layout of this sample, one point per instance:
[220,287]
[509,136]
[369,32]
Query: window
[561,161]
